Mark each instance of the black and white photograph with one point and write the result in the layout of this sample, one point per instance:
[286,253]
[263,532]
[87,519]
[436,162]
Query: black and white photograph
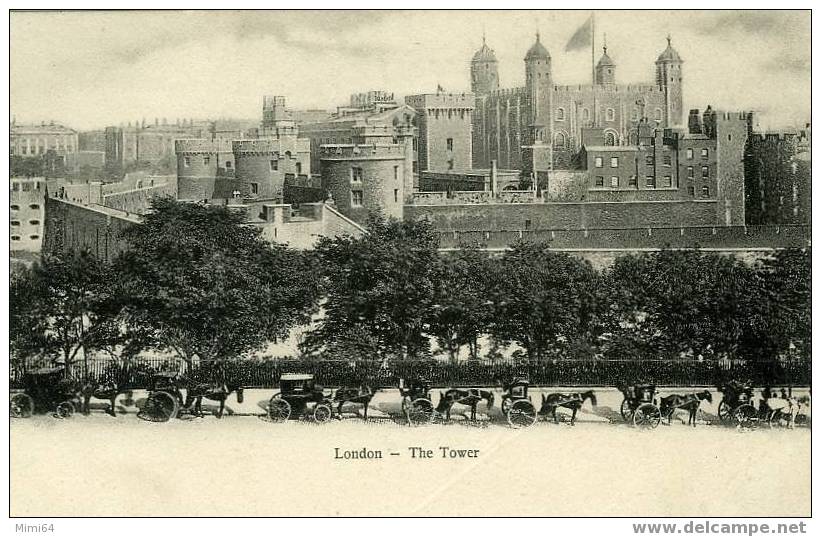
[411,263]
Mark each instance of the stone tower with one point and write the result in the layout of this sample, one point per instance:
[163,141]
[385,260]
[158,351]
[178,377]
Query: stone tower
[484,71]
[669,79]
[605,70]
[538,82]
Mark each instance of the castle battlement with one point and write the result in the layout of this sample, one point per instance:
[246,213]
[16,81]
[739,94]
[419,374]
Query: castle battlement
[441,100]
[618,88]
[356,152]
[201,146]
[508,92]
[269,146]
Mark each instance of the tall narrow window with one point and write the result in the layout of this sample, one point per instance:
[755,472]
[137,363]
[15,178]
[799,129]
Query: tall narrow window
[356,198]
[254,188]
[611,114]
[299,168]
[395,173]
[450,144]
[396,195]
[186,162]
[599,180]
[690,172]
[274,165]
[599,163]
[690,153]
[560,114]
[705,153]
[651,181]
[614,182]
[705,171]
[356,174]
[705,192]
[614,162]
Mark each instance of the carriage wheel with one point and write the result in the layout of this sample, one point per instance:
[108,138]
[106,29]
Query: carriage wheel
[724,412]
[322,413]
[745,415]
[419,411]
[64,410]
[647,416]
[279,409]
[160,407]
[626,411]
[506,404]
[521,414]
[21,406]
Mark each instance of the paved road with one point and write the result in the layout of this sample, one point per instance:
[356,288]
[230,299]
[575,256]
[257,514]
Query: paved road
[99,465]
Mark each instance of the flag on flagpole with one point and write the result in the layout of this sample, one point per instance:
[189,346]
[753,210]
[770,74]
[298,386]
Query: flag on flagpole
[583,37]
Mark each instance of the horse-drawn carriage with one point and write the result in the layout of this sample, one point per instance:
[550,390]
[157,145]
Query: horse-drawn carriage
[165,398]
[416,402]
[45,390]
[299,396]
[737,404]
[517,405]
[641,405]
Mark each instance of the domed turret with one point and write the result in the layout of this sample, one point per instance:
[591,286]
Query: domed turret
[537,51]
[484,70]
[669,55]
[669,79]
[484,54]
[605,69]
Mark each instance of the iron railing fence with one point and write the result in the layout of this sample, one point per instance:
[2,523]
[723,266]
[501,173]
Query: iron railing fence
[266,373]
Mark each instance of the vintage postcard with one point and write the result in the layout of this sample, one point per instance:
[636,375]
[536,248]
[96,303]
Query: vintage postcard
[410,263]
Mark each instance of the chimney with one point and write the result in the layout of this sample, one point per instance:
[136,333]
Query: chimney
[694,122]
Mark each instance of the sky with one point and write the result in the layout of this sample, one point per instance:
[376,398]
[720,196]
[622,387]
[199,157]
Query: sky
[92,69]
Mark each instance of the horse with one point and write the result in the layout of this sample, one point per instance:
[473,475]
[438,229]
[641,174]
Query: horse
[469,397]
[106,390]
[361,395]
[573,401]
[778,407]
[213,391]
[689,402]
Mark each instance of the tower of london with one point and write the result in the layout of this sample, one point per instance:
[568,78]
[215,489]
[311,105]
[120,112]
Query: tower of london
[545,112]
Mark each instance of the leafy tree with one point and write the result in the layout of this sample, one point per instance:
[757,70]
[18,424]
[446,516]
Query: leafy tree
[383,283]
[65,303]
[542,298]
[680,301]
[780,310]
[462,311]
[210,286]
[20,166]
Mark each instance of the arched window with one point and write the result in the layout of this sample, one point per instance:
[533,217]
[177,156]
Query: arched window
[559,140]
[610,138]
[585,114]
[560,114]
[611,114]
[658,114]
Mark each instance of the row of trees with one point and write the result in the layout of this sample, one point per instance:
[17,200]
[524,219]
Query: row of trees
[390,290]
[197,282]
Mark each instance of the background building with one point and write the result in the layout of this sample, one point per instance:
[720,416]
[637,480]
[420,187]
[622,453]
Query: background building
[37,140]
[505,120]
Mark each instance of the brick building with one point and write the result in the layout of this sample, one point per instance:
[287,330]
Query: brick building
[369,175]
[778,179]
[26,212]
[444,123]
[366,110]
[506,120]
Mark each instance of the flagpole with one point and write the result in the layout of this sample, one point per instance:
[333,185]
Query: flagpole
[593,46]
